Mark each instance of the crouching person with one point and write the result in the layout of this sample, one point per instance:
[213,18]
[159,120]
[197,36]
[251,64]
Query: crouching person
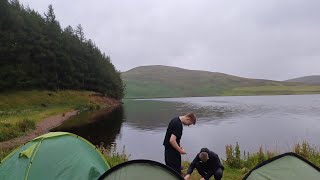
[208,164]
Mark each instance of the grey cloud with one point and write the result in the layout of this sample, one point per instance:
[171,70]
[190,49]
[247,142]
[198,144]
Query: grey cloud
[259,39]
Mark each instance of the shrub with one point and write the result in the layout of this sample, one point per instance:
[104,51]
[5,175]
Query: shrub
[112,156]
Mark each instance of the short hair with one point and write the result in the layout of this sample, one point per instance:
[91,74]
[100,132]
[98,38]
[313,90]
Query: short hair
[203,156]
[192,117]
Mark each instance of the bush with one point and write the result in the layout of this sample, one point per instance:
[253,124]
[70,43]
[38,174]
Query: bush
[308,152]
[7,131]
[248,161]
[25,125]
[113,157]
[233,156]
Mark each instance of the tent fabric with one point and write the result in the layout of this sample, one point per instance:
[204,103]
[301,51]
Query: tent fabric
[141,169]
[56,155]
[288,166]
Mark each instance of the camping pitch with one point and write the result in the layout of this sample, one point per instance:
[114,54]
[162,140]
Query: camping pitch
[142,170]
[288,166]
[56,155]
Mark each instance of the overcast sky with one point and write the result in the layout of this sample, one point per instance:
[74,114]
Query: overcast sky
[268,39]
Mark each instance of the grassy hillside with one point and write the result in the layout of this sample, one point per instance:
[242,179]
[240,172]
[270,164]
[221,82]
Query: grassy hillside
[165,81]
[306,79]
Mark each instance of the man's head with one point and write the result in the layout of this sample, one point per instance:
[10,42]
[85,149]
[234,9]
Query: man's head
[189,119]
[203,156]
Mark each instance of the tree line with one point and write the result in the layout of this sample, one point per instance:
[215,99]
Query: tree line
[36,53]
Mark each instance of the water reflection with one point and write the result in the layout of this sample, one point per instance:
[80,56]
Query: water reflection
[99,127]
[275,122]
[154,115]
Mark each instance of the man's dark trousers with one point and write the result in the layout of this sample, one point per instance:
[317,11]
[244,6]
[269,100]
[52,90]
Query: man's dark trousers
[173,159]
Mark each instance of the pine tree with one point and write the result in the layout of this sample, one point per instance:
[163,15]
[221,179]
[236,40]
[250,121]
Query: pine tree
[50,17]
[80,33]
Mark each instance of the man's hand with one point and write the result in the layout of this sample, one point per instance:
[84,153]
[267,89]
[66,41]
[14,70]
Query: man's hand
[202,178]
[187,177]
[182,151]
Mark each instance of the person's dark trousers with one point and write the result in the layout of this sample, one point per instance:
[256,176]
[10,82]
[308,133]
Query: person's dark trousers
[173,159]
[207,174]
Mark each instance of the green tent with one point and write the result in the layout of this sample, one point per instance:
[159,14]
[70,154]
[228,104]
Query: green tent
[56,155]
[141,169]
[288,166]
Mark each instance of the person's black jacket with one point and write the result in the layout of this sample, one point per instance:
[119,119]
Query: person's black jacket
[212,164]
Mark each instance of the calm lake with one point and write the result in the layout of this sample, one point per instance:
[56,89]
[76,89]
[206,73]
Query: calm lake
[275,122]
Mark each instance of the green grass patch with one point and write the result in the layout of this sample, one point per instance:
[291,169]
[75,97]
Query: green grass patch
[8,131]
[145,89]
[272,90]
[20,111]
[141,89]
[228,173]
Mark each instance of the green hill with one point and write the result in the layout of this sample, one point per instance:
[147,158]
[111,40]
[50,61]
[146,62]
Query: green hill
[166,81]
[307,80]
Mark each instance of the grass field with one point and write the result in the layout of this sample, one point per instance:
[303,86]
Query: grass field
[20,111]
[273,90]
[156,90]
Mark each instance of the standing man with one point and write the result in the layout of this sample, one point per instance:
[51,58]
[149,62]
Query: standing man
[207,164]
[173,150]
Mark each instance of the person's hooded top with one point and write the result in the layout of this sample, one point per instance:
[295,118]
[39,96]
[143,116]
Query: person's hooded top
[212,164]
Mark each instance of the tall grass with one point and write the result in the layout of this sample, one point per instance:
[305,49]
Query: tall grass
[9,130]
[312,153]
[113,157]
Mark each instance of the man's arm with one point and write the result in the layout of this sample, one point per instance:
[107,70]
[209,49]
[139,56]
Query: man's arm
[173,142]
[193,165]
[191,168]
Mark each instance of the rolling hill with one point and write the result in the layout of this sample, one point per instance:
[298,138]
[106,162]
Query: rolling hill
[307,80]
[165,81]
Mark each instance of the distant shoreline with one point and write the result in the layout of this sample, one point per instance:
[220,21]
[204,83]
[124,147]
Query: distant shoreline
[134,98]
